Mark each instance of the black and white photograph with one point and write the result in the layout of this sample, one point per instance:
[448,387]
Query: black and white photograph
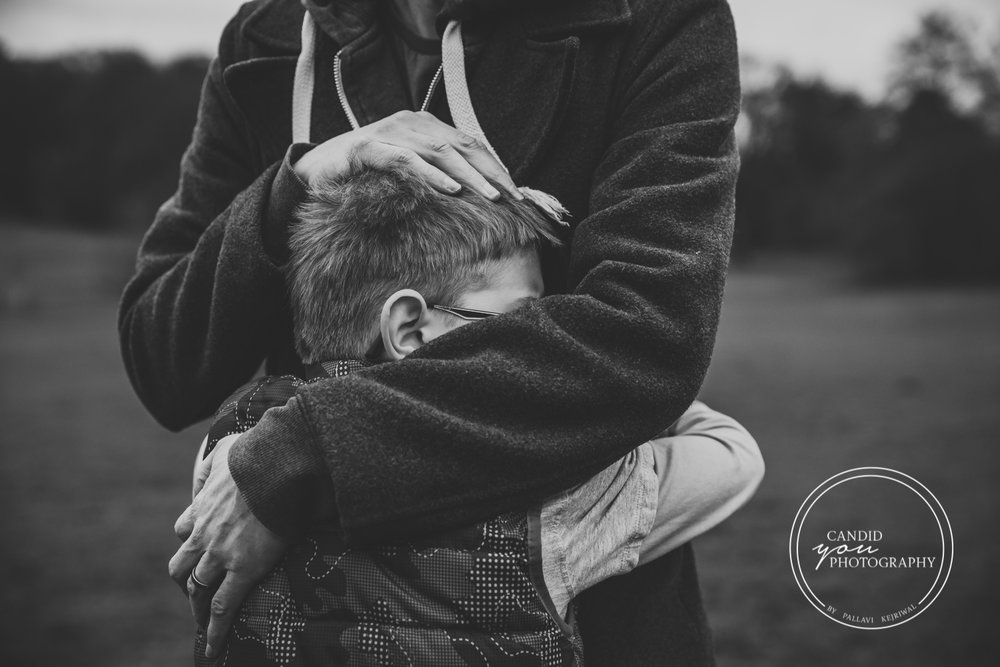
[501,333]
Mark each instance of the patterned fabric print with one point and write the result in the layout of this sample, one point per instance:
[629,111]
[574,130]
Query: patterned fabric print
[337,369]
[247,405]
[264,631]
[462,598]
[244,408]
[469,600]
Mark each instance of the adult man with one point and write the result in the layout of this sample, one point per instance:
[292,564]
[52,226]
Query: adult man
[622,110]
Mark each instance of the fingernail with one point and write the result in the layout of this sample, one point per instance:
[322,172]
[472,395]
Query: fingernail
[518,195]
[209,651]
[491,192]
[453,187]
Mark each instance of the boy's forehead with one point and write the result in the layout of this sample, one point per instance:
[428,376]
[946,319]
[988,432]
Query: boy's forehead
[522,270]
[508,282]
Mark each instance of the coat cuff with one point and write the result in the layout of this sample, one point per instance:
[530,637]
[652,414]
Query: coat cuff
[280,472]
[287,192]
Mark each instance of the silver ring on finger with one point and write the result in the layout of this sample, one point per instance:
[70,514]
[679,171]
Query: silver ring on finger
[198,582]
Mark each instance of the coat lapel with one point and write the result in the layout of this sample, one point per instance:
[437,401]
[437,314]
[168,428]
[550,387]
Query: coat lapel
[262,89]
[522,87]
[520,91]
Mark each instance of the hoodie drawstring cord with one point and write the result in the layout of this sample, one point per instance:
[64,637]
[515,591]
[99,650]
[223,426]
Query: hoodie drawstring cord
[452,62]
[305,77]
[463,115]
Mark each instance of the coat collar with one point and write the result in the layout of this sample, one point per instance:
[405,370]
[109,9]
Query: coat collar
[544,83]
[277,24]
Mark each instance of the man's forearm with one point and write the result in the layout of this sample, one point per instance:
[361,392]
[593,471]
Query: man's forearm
[207,300]
[499,414]
[280,471]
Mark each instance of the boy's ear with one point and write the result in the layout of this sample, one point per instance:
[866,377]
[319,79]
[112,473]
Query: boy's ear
[403,322]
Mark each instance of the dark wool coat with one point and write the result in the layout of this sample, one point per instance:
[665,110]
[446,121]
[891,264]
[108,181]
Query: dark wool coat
[623,109]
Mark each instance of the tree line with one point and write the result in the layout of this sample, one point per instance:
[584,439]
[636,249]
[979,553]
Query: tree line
[907,187]
[93,139]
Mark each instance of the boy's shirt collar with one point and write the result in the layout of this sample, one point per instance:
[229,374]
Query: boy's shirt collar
[335,369]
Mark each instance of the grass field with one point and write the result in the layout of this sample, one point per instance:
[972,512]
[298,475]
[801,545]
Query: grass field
[827,376]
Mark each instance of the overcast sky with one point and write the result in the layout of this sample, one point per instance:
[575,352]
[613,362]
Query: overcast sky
[848,42]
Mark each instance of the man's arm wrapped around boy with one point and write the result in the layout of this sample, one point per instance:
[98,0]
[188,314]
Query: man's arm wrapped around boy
[510,410]
[210,265]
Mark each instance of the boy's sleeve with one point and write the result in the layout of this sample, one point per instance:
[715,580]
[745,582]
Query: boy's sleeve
[504,412]
[664,493]
[596,530]
[707,466]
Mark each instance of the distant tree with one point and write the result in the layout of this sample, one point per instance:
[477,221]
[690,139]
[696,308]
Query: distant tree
[932,205]
[945,57]
[805,145]
[908,189]
[93,139]
[931,210]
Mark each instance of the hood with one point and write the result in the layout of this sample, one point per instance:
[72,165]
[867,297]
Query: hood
[463,10]
[345,19]
[277,24]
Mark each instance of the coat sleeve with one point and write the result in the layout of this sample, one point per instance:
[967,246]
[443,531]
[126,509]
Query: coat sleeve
[207,298]
[503,412]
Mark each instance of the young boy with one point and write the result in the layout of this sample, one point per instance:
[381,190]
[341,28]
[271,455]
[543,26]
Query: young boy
[382,265]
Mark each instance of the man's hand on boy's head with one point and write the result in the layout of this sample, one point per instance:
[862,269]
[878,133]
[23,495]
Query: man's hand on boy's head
[418,142]
[226,550]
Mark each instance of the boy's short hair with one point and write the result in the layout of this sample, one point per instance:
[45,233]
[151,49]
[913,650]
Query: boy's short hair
[358,240]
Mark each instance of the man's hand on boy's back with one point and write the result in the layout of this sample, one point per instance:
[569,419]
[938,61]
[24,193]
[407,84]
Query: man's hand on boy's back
[417,141]
[226,550]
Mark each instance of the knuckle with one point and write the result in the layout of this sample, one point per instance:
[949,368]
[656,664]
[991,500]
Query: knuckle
[357,155]
[469,142]
[440,147]
[398,120]
[219,607]
[360,146]
[401,157]
[381,129]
